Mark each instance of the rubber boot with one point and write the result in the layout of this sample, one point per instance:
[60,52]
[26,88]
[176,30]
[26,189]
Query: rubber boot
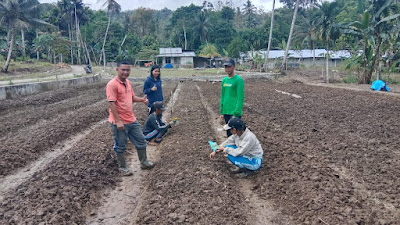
[122,165]
[144,163]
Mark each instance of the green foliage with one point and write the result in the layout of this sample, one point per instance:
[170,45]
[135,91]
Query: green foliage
[51,42]
[143,21]
[146,54]
[350,79]
[235,47]
[209,51]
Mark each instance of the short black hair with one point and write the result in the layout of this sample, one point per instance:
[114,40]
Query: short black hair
[123,63]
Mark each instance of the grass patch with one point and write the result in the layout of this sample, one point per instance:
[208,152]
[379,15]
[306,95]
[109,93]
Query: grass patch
[350,79]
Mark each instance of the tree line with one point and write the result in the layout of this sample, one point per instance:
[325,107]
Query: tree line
[69,31]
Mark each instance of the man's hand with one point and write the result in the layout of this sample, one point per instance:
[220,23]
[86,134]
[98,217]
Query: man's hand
[145,100]
[120,125]
[221,117]
[154,88]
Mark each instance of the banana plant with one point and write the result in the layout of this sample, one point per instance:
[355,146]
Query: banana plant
[374,28]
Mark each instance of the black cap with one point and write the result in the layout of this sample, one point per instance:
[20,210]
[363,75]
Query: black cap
[159,105]
[236,123]
[229,62]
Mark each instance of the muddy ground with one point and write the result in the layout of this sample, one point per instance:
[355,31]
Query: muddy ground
[331,157]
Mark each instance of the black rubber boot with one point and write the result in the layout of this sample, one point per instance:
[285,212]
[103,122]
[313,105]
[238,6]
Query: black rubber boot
[122,165]
[144,163]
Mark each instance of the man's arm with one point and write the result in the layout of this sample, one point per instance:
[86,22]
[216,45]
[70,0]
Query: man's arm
[140,99]
[240,98]
[221,101]
[245,146]
[113,107]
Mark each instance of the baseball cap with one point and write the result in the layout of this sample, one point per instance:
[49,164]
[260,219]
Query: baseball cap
[159,105]
[229,62]
[236,123]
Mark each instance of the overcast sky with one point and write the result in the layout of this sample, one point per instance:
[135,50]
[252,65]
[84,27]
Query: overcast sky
[171,4]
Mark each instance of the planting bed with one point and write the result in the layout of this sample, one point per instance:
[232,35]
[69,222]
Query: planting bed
[331,157]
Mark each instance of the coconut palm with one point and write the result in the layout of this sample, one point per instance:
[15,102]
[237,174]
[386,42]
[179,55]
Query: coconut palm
[16,14]
[112,7]
[306,33]
[202,26]
[290,3]
[270,35]
[249,11]
[326,27]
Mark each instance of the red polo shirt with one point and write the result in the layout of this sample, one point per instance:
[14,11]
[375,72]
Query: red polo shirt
[122,94]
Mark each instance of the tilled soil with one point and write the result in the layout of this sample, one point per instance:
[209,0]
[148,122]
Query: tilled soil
[187,187]
[71,185]
[331,157]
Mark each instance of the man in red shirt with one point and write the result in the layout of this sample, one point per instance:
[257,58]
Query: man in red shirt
[120,97]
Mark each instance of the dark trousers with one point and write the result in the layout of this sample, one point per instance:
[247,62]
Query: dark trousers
[227,118]
[157,133]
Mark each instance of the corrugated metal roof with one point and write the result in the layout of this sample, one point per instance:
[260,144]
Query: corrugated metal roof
[170,51]
[300,54]
[183,54]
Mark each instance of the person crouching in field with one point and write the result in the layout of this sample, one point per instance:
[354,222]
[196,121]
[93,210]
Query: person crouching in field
[243,148]
[154,128]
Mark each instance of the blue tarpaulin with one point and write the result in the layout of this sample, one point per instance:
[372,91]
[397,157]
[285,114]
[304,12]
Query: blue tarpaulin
[379,85]
[168,65]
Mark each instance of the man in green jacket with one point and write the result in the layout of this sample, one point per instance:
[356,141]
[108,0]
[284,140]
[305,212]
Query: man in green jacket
[232,94]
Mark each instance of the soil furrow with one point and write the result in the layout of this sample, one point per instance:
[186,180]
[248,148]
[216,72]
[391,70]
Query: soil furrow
[187,187]
[261,211]
[27,145]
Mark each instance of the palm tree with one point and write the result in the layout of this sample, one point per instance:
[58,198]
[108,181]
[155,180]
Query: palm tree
[306,32]
[326,27]
[16,14]
[297,4]
[283,66]
[202,26]
[249,11]
[67,10]
[209,51]
[112,7]
[270,35]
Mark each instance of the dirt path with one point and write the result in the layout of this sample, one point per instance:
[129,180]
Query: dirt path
[125,199]
[261,211]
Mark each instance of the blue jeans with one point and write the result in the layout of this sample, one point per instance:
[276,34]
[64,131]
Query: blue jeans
[133,131]
[245,161]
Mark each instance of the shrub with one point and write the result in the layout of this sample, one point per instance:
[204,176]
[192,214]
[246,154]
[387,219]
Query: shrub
[350,79]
